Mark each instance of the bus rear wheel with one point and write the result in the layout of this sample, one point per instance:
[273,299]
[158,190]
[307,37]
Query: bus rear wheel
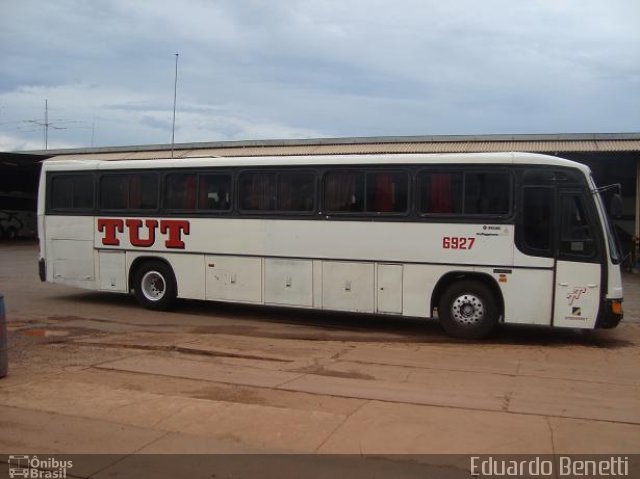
[468,309]
[155,285]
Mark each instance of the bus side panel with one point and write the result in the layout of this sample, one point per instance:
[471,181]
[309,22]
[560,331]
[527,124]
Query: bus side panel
[577,294]
[70,254]
[112,271]
[369,241]
[419,282]
[528,294]
[234,278]
[288,282]
[389,288]
[348,286]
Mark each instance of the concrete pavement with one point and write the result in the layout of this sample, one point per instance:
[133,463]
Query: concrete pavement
[94,373]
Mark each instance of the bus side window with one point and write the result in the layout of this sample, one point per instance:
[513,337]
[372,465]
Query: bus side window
[114,190]
[136,192]
[487,193]
[72,192]
[62,192]
[180,191]
[296,191]
[143,191]
[440,192]
[257,191]
[344,191]
[387,192]
[214,192]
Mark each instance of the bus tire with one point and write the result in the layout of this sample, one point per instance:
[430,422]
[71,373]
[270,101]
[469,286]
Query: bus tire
[155,285]
[469,310]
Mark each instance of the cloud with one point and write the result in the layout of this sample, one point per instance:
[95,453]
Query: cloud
[292,68]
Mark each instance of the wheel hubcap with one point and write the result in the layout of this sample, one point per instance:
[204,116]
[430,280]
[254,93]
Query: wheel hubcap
[467,309]
[153,286]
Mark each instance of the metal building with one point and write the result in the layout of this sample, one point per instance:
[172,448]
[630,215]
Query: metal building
[613,157]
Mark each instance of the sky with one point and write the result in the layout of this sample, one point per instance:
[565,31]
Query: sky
[290,69]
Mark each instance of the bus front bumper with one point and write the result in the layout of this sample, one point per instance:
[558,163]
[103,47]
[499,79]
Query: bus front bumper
[611,315]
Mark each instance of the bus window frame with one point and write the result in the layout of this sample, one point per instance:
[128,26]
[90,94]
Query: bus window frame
[365,171]
[314,196]
[198,172]
[465,217]
[276,171]
[50,210]
[125,212]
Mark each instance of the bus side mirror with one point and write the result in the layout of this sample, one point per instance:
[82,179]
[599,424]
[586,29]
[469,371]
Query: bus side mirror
[616,206]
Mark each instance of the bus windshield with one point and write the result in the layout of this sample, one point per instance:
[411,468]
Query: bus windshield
[612,238]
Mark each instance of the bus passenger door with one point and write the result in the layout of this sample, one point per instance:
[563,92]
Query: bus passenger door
[578,269]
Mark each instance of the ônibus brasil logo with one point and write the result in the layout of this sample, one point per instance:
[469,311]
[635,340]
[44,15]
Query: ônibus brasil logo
[36,468]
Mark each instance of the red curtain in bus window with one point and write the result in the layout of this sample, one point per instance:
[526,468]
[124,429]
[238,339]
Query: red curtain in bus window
[440,200]
[190,193]
[383,198]
[135,192]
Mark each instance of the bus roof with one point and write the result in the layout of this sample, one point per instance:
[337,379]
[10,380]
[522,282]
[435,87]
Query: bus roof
[513,158]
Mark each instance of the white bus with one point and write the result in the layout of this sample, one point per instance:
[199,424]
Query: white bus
[472,239]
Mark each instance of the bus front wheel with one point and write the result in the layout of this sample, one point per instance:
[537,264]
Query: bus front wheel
[155,285]
[469,310]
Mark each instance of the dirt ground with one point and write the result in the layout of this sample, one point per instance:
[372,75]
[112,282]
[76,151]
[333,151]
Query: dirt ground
[95,373]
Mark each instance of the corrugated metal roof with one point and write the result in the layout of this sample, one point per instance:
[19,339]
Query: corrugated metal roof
[351,146]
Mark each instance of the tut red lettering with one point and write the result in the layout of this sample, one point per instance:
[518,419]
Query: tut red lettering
[174,229]
[110,227]
[134,232]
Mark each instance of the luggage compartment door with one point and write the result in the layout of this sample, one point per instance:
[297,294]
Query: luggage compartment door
[389,290]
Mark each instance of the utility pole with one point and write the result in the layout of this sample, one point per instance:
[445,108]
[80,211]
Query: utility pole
[175,94]
[53,123]
[46,125]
